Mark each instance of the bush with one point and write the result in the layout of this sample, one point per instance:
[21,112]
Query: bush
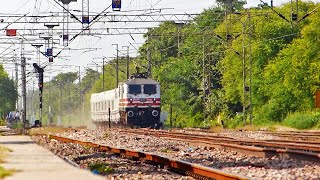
[302,120]
[318,125]
[17,125]
[264,122]
[270,112]
[3,122]
[235,122]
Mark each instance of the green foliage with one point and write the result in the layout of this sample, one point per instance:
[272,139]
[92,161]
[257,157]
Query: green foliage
[4,172]
[17,125]
[8,93]
[291,78]
[3,122]
[101,168]
[280,64]
[235,122]
[318,126]
[302,120]
[234,4]
[164,150]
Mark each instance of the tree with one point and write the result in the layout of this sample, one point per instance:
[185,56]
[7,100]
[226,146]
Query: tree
[233,5]
[89,79]
[8,93]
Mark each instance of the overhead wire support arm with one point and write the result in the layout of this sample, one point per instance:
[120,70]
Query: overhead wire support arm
[72,15]
[90,24]
[308,14]
[150,17]
[9,23]
[124,18]
[280,15]
[94,20]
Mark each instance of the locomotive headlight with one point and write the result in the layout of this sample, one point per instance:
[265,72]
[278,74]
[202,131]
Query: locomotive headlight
[154,100]
[130,100]
[155,113]
[130,114]
[141,113]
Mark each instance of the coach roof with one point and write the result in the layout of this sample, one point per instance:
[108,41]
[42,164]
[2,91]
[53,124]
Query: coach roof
[141,81]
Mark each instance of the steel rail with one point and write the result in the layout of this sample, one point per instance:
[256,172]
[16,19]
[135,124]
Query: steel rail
[301,135]
[289,145]
[299,132]
[258,151]
[313,134]
[171,163]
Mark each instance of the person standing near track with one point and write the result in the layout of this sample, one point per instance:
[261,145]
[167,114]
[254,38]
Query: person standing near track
[17,116]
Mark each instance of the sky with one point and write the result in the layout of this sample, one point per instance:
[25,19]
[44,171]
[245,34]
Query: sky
[102,45]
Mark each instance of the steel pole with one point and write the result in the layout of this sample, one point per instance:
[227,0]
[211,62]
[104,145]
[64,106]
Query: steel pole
[103,74]
[117,65]
[128,61]
[23,79]
[80,94]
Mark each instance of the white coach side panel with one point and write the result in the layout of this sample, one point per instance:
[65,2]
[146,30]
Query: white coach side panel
[101,102]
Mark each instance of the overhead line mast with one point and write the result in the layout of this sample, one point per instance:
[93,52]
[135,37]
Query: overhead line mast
[65,34]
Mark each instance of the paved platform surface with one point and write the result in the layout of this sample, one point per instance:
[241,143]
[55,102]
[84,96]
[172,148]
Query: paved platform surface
[34,162]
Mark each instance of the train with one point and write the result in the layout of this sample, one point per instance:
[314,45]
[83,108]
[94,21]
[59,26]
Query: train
[134,103]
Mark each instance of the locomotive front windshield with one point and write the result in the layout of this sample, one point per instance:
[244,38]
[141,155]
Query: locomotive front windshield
[150,89]
[134,89]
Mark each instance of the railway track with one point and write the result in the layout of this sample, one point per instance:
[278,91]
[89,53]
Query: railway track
[249,147]
[288,135]
[296,136]
[195,170]
[283,144]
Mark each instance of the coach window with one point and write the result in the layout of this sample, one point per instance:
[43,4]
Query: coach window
[134,89]
[149,89]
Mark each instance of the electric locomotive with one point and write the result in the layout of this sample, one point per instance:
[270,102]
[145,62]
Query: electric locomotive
[135,103]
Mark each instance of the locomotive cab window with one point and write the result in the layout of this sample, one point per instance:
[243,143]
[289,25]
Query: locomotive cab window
[134,89]
[150,89]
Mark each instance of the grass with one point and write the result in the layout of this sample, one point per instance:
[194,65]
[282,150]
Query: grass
[216,129]
[47,130]
[302,120]
[17,125]
[100,168]
[3,122]
[164,150]
[4,172]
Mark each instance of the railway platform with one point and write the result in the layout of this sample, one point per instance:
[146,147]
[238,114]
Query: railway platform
[33,162]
